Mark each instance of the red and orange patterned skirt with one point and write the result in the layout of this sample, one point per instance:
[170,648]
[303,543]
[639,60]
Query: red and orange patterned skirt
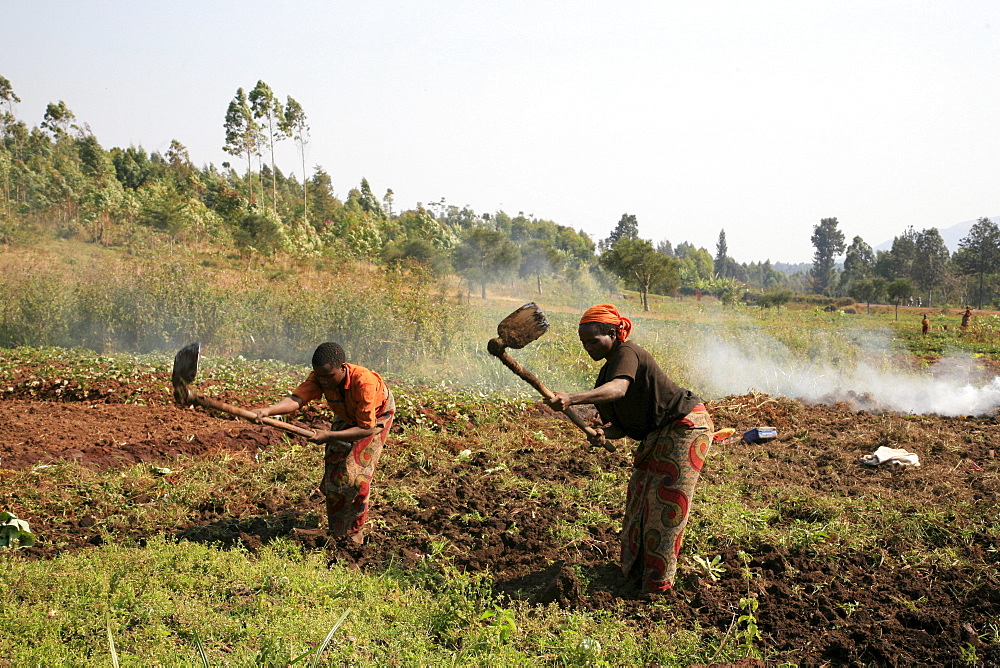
[667,465]
[348,472]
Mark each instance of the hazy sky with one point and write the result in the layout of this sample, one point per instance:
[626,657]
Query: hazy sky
[759,118]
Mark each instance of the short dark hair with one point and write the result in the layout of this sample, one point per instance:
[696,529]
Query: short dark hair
[328,353]
[603,328]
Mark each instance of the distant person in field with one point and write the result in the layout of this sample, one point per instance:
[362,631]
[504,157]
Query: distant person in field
[925,325]
[966,318]
[363,405]
[635,398]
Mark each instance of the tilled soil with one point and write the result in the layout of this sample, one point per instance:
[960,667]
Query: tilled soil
[813,610]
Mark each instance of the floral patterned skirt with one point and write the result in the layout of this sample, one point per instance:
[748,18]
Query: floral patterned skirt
[348,472]
[667,465]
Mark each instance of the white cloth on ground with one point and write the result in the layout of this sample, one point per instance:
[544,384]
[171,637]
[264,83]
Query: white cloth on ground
[892,457]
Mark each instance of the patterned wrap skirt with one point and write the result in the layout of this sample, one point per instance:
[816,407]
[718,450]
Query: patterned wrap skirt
[348,472]
[667,465]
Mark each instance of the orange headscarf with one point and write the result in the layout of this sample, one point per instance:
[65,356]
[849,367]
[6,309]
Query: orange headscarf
[607,313]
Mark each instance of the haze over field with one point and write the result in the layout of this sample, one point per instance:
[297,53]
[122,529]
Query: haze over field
[757,362]
[760,118]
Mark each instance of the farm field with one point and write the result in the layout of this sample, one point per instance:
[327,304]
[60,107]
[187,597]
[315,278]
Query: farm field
[188,537]
[150,293]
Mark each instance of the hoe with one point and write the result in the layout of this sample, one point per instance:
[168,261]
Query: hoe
[186,368]
[518,330]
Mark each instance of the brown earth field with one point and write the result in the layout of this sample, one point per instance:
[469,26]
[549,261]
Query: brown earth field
[851,610]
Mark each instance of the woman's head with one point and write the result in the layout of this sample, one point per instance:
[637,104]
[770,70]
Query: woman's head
[328,353]
[598,338]
[601,327]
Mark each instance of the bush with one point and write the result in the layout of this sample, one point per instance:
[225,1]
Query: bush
[775,298]
[259,231]
[813,300]
[35,303]
[380,316]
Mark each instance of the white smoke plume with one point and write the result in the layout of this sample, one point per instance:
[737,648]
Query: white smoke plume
[756,362]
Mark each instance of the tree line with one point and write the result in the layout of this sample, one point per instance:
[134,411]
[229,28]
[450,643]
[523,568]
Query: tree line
[58,180]
[918,266]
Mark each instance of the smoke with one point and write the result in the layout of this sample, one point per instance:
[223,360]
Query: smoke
[870,381]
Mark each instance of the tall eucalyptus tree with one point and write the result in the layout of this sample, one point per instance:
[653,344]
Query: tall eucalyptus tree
[293,124]
[242,133]
[265,106]
[7,120]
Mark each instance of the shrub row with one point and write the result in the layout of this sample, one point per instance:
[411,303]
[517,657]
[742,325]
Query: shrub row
[145,306]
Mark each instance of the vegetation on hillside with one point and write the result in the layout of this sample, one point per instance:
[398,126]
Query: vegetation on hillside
[58,181]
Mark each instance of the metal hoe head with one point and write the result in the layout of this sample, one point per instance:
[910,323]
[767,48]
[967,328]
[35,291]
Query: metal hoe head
[522,326]
[184,372]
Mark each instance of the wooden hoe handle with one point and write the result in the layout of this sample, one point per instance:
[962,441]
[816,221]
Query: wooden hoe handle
[208,402]
[532,380]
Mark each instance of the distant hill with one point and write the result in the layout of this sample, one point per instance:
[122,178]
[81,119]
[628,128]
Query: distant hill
[951,235]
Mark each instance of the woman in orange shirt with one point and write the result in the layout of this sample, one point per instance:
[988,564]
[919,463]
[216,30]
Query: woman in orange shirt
[364,410]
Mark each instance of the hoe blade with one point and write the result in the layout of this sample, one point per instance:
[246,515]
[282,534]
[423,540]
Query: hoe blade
[185,370]
[522,326]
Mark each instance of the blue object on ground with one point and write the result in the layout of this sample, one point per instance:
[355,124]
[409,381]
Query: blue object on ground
[760,434]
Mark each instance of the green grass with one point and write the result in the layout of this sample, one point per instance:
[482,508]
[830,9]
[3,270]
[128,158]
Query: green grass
[162,599]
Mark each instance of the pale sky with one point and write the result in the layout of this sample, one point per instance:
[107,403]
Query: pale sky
[759,118]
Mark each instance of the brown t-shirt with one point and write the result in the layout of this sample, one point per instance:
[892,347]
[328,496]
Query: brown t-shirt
[652,400]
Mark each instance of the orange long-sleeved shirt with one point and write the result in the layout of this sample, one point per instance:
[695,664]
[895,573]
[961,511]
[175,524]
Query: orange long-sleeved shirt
[362,398]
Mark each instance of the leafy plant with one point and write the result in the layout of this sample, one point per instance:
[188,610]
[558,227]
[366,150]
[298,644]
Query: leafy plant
[803,535]
[588,652]
[14,533]
[712,568]
[502,620]
[969,655]
[746,623]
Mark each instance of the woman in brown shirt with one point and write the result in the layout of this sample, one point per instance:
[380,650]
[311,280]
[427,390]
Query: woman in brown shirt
[635,398]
